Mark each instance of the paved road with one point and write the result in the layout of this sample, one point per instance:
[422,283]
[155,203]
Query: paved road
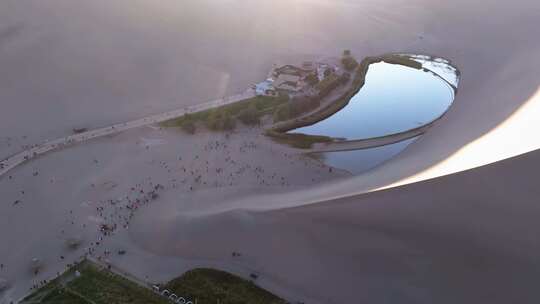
[48,146]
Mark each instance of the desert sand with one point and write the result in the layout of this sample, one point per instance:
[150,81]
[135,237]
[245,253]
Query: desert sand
[90,193]
[427,235]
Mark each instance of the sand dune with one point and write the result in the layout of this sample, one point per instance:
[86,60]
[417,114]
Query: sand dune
[463,238]
[92,74]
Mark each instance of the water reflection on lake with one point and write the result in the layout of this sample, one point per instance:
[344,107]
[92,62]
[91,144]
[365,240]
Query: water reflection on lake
[395,98]
[440,66]
[359,161]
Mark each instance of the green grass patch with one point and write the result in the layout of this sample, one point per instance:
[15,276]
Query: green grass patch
[248,111]
[298,140]
[63,296]
[44,294]
[209,286]
[94,285]
[282,113]
[102,286]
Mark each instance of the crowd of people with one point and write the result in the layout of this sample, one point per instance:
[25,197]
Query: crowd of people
[219,162]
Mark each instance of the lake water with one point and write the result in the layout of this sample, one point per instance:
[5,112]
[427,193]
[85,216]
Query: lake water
[359,161]
[394,99]
[440,66]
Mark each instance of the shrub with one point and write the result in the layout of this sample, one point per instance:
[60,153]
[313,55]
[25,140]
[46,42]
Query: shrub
[312,79]
[343,79]
[213,120]
[349,63]
[347,53]
[301,105]
[282,113]
[298,140]
[227,123]
[327,72]
[220,119]
[327,85]
[188,124]
[249,115]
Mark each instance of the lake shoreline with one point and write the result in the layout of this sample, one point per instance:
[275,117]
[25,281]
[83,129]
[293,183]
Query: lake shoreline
[329,107]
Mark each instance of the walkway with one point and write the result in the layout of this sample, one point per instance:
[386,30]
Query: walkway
[369,142]
[57,144]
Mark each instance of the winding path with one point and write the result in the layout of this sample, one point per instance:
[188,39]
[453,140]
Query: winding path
[48,146]
[57,144]
[368,143]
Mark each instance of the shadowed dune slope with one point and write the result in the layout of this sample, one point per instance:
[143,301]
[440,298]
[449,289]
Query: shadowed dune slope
[469,237]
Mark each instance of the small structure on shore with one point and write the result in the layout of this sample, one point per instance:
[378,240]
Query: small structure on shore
[265,88]
[323,70]
[291,79]
[286,82]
